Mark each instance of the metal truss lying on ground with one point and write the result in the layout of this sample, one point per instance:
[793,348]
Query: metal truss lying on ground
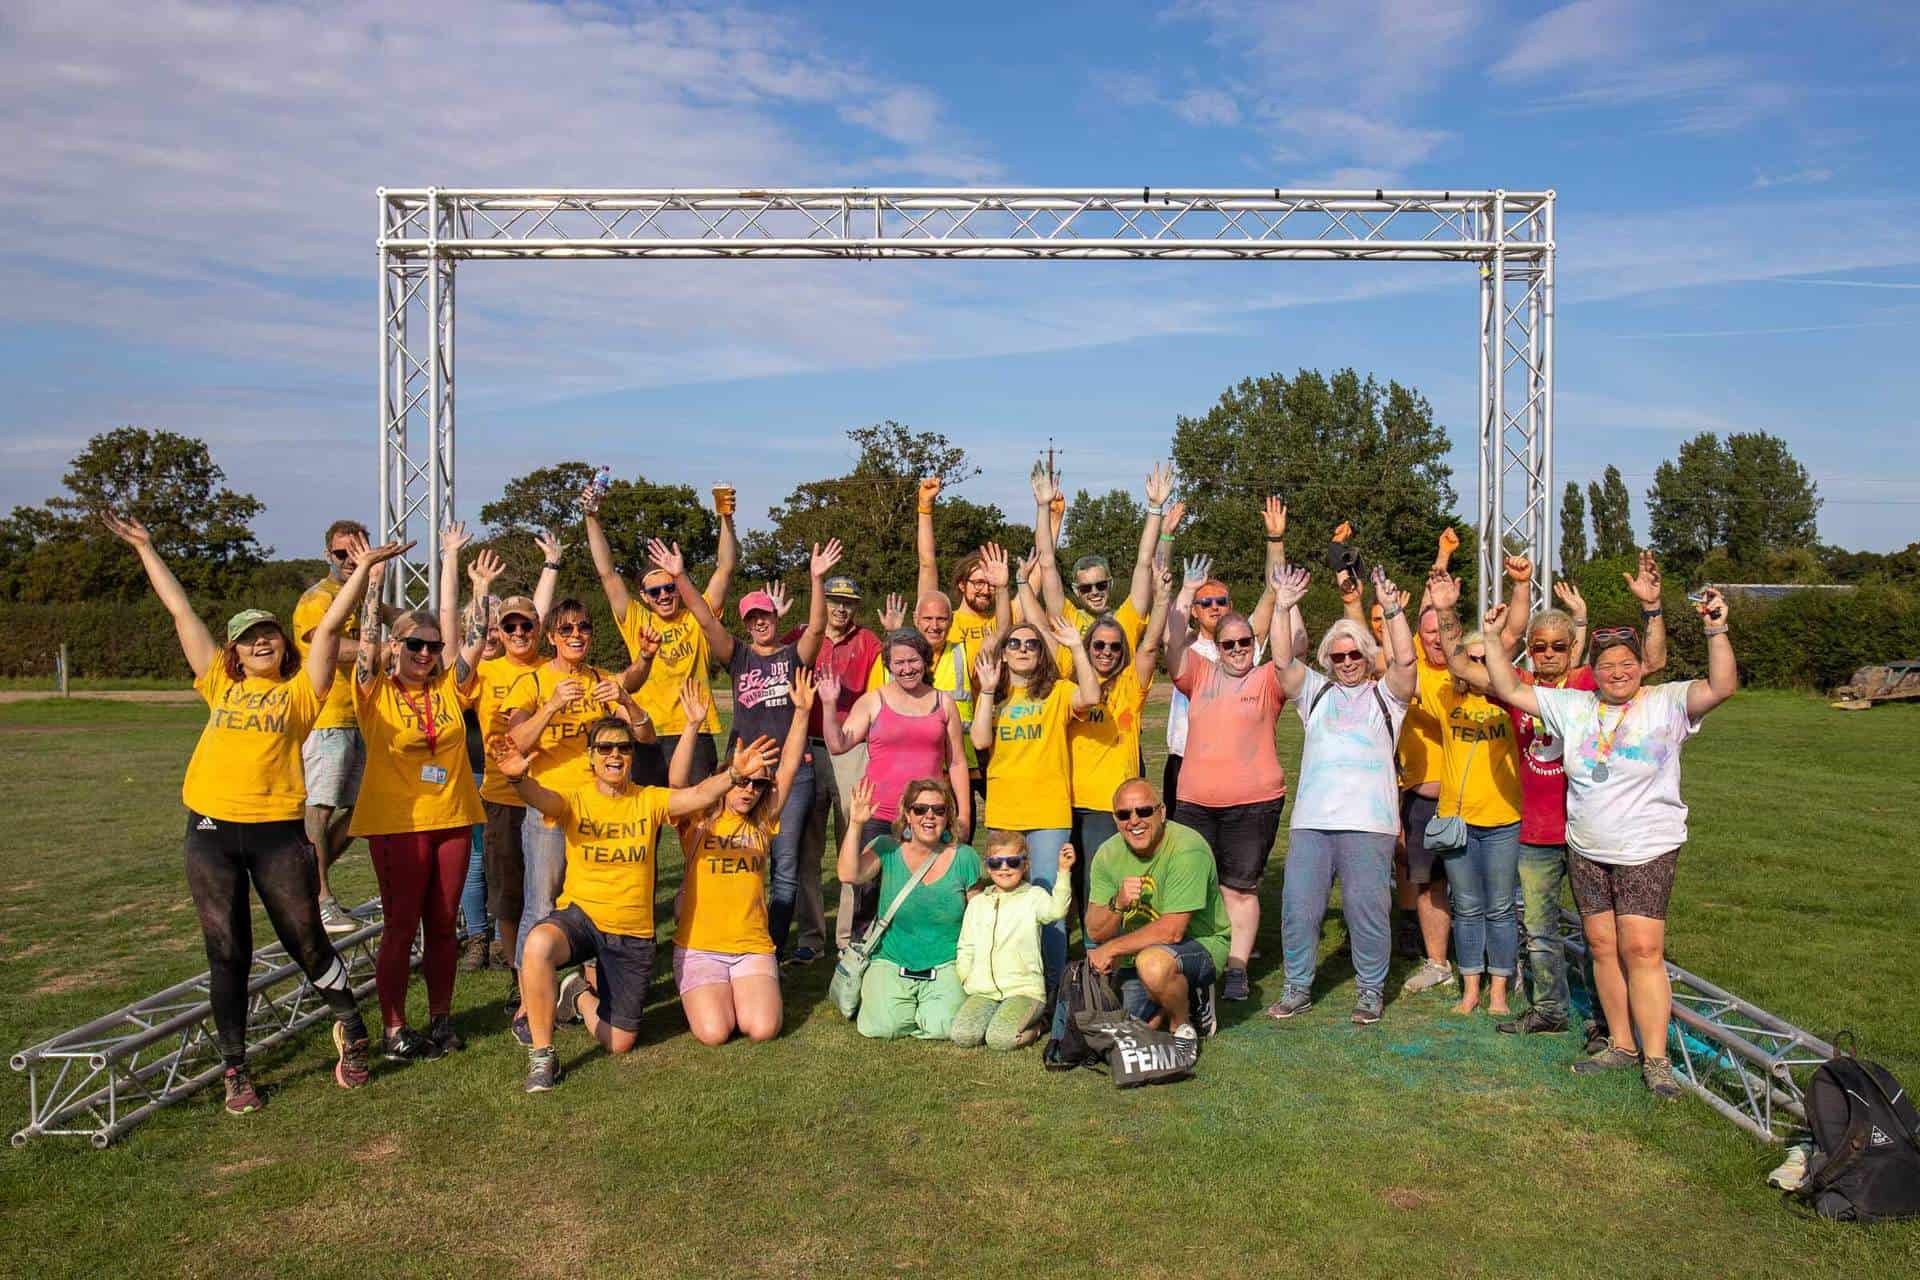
[99,1080]
[1508,235]
[1734,1056]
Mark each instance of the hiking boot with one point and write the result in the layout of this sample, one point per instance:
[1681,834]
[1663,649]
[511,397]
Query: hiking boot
[1234,986]
[1657,1075]
[242,1097]
[473,953]
[1367,1009]
[543,1070]
[1292,1003]
[1204,1006]
[567,1009]
[353,1067]
[500,954]
[1532,1022]
[404,1044]
[521,1031]
[440,1031]
[1428,977]
[1611,1058]
[335,918]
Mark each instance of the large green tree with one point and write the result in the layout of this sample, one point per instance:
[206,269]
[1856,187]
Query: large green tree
[1740,502]
[1612,509]
[58,552]
[547,500]
[1339,448]
[1104,525]
[1573,530]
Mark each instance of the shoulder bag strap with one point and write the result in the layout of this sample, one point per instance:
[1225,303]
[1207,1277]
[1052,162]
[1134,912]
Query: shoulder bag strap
[886,918]
[1460,801]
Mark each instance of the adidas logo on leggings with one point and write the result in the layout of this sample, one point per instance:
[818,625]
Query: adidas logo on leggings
[206,824]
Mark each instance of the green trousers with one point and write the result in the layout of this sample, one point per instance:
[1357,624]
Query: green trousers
[892,1006]
[994,1023]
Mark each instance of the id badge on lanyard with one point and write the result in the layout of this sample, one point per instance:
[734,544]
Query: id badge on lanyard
[433,774]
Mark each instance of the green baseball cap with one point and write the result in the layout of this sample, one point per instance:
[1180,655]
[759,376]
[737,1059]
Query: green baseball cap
[240,622]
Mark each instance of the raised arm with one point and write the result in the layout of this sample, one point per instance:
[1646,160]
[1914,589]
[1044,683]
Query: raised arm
[1443,593]
[1513,634]
[1146,654]
[1030,607]
[694,696]
[1576,606]
[818,567]
[795,749]
[1086,687]
[544,590]
[749,758]
[669,560]
[927,579]
[855,865]
[196,642]
[1646,589]
[986,682]
[1723,673]
[1273,516]
[367,659]
[611,583]
[1053,593]
[486,568]
[323,647]
[1401,678]
[1288,584]
[728,556]
[1179,620]
[513,765]
[1159,489]
[1504,683]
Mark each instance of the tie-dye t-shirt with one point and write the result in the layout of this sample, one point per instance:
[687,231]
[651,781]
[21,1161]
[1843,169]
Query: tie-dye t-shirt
[1633,813]
[1348,780]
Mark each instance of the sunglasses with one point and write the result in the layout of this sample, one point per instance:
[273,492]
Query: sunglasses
[1235,646]
[613,748]
[1616,635]
[415,644]
[1345,655]
[574,629]
[519,627]
[341,556]
[1138,811]
[1107,646]
[1100,585]
[1023,644]
[927,810]
[757,784]
[1549,646]
[660,592]
[1212,602]
[1010,862]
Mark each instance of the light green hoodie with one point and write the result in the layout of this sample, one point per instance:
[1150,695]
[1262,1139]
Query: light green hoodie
[1000,939]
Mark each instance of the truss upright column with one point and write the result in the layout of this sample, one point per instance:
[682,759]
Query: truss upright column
[407,419]
[440,309]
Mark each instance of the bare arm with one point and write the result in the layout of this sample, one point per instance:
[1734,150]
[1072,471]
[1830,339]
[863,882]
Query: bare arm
[366,660]
[1513,635]
[986,671]
[548,585]
[611,583]
[1723,673]
[854,864]
[1645,587]
[927,580]
[513,767]
[196,642]
[1287,585]
[1163,931]
[1147,655]
[1086,688]
[1052,592]
[727,557]
[1505,684]
[1159,489]
[957,769]
[668,559]
[844,736]
[824,558]
[323,645]
[795,749]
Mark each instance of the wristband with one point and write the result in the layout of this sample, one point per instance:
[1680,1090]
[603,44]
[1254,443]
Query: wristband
[1579,622]
[554,565]
[925,511]
[1166,537]
[1157,509]
[1651,613]
[1390,613]
[1717,631]
[1276,537]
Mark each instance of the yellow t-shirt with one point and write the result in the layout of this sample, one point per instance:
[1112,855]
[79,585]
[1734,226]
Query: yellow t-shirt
[1420,731]
[683,652]
[246,766]
[493,679]
[1104,742]
[559,763]
[1478,753]
[1028,773]
[970,628]
[613,844]
[723,904]
[408,785]
[313,606]
[1132,625]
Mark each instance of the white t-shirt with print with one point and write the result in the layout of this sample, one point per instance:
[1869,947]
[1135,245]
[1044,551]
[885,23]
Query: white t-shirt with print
[1203,645]
[1635,813]
[1348,779]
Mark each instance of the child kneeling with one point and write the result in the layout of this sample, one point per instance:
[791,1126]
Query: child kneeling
[999,963]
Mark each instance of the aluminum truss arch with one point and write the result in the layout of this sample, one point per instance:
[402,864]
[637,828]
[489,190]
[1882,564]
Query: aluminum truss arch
[424,232]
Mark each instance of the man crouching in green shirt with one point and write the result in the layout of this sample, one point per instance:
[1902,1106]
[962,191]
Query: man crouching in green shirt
[1155,909]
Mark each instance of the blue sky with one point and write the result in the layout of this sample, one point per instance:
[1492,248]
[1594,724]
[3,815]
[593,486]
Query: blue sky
[189,225]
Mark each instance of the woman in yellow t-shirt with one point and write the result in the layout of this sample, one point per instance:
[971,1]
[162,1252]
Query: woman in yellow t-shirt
[1103,742]
[1020,714]
[244,795]
[418,803]
[723,950]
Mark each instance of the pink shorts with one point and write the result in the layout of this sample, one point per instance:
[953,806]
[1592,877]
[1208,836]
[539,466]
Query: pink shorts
[693,968]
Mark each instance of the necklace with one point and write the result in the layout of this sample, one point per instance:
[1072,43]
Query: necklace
[1603,746]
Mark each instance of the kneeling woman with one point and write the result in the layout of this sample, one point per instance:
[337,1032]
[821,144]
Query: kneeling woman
[605,912]
[244,794]
[926,875]
[723,952]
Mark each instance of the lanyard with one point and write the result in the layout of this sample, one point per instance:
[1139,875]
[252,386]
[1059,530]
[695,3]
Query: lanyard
[427,724]
[1603,744]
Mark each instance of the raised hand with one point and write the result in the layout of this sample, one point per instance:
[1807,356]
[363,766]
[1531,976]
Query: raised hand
[1443,590]
[750,758]
[1519,568]
[360,553]
[781,600]
[802,689]
[1712,607]
[588,501]
[1289,583]
[512,763]
[454,537]
[485,568]
[1384,591]
[861,810]
[1495,616]
[1570,598]
[550,545]
[1027,563]
[1068,857]
[1041,483]
[1159,483]
[1646,584]
[127,529]
[1176,512]
[1348,586]
[666,558]
[1063,631]
[694,696]
[929,490]
[647,642]
[986,670]
[1449,543]
[894,615]
[1196,570]
[823,559]
[828,686]
[993,559]
[1273,513]
[1057,504]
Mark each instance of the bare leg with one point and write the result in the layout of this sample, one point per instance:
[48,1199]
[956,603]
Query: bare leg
[547,950]
[1497,995]
[709,1012]
[1469,993]
[1243,914]
[611,1038]
[1436,919]
[1159,971]
[1642,945]
[757,1010]
[1610,977]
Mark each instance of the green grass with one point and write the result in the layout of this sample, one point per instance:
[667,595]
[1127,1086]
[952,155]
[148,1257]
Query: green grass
[89,684]
[1427,1146]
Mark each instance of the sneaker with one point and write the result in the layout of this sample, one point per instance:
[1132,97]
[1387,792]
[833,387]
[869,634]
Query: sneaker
[521,1031]
[800,957]
[473,953]
[1235,985]
[440,1031]
[1367,1009]
[242,1097]
[353,1068]
[408,1045]
[1428,977]
[1292,1003]
[543,1070]
[1611,1058]
[1657,1075]
[567,1009]
[1532,1022]
[335,918]
[1185,1031]
[1792,1173]
[1203,1006]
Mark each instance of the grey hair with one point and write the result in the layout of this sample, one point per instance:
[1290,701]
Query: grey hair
[1361,636]
[1551,619]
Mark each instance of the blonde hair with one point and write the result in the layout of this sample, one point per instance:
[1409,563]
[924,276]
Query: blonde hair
[1012,841]
[1361,637]
[411,621]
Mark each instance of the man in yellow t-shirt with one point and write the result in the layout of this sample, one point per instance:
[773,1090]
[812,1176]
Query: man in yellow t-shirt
[683,649]
[1092,576]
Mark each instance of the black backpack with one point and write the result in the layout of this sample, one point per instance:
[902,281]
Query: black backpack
[1083,990]
[1865,1165]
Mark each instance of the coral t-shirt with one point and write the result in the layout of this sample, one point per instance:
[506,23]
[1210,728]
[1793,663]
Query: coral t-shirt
[1230,757]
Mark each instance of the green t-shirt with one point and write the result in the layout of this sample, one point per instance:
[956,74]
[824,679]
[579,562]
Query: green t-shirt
[925,931]
[1180,876]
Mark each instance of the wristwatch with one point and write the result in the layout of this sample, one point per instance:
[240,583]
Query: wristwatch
[1651,613]
[554,565]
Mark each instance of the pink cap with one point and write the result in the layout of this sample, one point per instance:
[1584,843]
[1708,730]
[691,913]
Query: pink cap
[757,600]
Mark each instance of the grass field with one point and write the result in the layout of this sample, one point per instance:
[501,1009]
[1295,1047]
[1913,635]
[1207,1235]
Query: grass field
[1428,1146]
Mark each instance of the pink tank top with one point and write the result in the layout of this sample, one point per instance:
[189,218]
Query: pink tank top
[901,748]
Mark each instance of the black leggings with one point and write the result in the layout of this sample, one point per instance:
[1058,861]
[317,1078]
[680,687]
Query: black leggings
[221,858]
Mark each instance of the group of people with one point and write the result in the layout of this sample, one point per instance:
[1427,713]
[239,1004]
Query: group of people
[984,766]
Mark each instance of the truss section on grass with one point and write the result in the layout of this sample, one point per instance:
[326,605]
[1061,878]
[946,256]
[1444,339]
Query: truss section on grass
[424,232]
[99,1080]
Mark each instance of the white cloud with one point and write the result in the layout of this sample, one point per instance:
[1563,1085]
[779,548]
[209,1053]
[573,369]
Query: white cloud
[1207,106]
[1797,178]
[1574,35]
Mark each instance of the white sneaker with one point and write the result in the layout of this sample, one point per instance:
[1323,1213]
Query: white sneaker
[1428,976]
[1185,1031]
[1792,1173]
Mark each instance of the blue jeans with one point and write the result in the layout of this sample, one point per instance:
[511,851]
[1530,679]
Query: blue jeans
[783,863]
[1482,879]
[473,894]
[1364,862]
[544,852]
[1043,868]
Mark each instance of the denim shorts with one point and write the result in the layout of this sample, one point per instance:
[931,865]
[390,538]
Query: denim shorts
[1196,963]
[624,962]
